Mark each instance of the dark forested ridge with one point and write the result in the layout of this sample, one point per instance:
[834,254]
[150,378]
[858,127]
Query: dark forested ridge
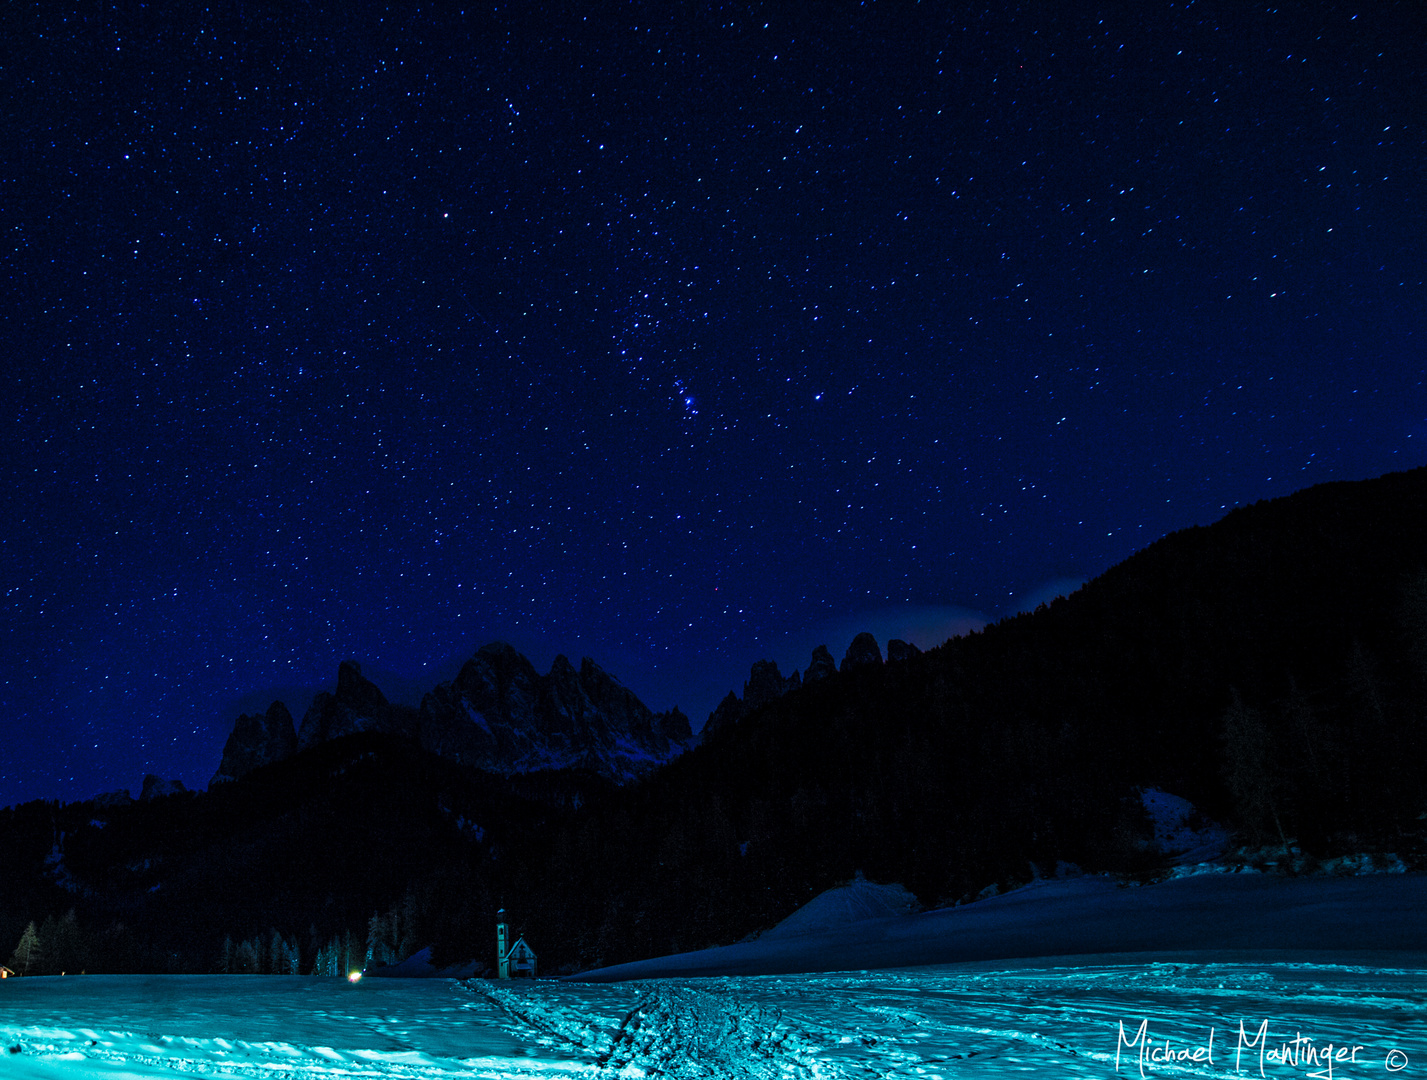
[1271,668]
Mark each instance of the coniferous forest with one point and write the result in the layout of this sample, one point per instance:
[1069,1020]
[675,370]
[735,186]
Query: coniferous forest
[1270,668]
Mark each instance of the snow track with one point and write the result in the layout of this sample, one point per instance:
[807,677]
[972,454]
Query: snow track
[534,1015]
[671,1030]
[680,1031]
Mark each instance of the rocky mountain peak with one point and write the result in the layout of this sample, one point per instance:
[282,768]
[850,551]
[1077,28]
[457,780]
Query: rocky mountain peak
[822,666]
[673,725]
[498,713]
[257,740]
[501,714]
[766,683]
[357,705]
[726,713]
[499,679]
[863,650]
[355,691]
[897,649]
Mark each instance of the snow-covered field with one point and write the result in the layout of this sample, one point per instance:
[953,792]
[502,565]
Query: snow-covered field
[980,1019]
[1266,974]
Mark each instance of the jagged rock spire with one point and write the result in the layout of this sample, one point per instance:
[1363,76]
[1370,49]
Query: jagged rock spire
[863,650]
[822,666]
[499,714]
[257,740]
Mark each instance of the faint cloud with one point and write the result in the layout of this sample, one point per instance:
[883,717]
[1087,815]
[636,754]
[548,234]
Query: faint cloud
[1046,593]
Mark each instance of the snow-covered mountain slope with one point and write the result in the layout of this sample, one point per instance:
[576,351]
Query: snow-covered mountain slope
[1094,1020]
[1088,916]
[857,901]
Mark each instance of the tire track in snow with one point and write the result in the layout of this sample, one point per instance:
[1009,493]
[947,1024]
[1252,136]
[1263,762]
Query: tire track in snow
[548,1022]
[681,1031]
[674,1031]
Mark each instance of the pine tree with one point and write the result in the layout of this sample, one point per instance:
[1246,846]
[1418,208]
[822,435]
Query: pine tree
[27,952]
[45,956]
[351,953]
[1413,614]
[68,951]
[1250,769]
[337,957]
[377,949]
[245,960]
[283,956]
[403,925]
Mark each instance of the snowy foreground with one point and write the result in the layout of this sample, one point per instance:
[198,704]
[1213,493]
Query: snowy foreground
[971,1020]
[1349,1003]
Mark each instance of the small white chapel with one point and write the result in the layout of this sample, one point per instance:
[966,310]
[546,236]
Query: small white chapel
[513,961]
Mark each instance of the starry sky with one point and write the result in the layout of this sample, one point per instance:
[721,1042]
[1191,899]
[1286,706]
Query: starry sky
[675,335]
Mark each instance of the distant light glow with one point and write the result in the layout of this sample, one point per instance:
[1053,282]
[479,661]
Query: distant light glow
[356,976]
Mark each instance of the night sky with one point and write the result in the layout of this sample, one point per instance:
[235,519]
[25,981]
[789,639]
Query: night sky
[672,335]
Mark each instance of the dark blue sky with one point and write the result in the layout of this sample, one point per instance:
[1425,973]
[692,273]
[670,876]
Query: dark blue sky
[673,335]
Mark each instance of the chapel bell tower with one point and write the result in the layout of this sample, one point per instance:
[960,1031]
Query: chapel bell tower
[502,943]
